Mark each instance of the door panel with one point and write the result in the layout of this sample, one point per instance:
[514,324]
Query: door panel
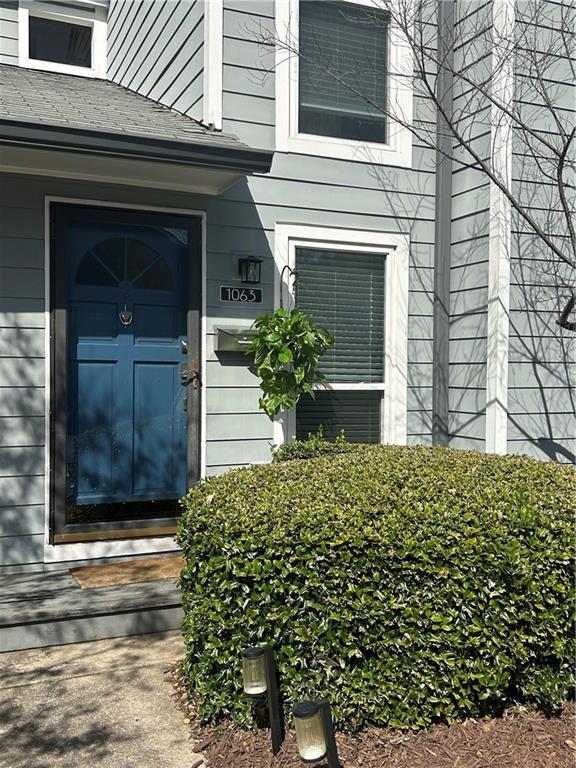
[131,295]
[159,429]
[93,475]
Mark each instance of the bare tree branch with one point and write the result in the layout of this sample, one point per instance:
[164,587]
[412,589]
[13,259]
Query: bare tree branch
[543,37]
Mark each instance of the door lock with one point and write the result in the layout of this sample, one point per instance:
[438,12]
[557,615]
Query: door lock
[190,376]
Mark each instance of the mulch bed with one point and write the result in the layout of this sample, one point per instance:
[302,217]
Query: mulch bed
[517,740]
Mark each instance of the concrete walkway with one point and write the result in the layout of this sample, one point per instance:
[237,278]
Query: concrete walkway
[103,704]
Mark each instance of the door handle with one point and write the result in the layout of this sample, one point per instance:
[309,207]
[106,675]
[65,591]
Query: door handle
[190,376]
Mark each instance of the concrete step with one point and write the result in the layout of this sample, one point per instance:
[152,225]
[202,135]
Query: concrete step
[49,608]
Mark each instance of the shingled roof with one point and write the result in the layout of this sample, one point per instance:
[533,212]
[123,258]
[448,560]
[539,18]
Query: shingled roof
[77,111]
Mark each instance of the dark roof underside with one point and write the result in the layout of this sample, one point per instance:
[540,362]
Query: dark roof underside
[67,111]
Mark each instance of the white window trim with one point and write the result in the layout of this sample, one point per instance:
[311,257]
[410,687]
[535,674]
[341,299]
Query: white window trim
[500,240]
[398,152]
[213,63]
[95,19]
[395,248]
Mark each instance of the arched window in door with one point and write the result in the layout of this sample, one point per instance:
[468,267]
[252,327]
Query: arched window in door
[124,259]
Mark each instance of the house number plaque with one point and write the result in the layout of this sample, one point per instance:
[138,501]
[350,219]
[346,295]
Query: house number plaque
[240,295]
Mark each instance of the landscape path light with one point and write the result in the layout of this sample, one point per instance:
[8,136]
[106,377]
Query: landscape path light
[315,732]
[259,678]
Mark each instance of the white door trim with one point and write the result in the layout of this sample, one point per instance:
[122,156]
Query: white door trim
[54,553]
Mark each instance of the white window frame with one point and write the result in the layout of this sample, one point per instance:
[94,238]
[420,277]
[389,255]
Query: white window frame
[94,16]
[398,150]
[395,248]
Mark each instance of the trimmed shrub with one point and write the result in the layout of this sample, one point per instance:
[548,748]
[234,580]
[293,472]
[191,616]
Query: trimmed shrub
[315,445]
[409,585]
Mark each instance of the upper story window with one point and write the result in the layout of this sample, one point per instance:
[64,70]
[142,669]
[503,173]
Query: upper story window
[60,42]
[343,71]
[63,37]
[344,89]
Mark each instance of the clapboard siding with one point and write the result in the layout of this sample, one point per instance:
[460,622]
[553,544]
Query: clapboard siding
[14,220]
[21,430]
[21,312]
[20,372]
[22,252]
[230,400]
[8,32]
[21,461]
[469,243]
[23,520]
[21,490]
[248,212]
[28,342]
[21,549]
[228,452]
[251,426]
[22,401]
[157,49]
[545,449]
[542,359]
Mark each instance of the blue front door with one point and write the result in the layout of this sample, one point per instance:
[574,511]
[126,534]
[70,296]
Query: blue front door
[127,351]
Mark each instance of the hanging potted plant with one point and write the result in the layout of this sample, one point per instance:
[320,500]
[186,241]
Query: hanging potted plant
[287,348]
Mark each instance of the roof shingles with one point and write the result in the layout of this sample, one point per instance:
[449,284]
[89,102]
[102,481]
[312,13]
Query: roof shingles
[86,104]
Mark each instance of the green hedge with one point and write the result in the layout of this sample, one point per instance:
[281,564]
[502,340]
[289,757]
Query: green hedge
[409,585]
[315,445]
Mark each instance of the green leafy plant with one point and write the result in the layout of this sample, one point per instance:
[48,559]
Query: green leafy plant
[287,349]
[410,585]
[315,445]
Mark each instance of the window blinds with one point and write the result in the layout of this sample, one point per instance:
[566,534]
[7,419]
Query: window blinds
[344,291]
[342,47]
[357,413]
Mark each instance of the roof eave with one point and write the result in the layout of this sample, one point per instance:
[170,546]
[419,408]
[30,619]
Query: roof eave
[198,154]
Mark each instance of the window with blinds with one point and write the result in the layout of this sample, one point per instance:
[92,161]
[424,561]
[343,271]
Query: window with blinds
[343,66]
[345,292]
[357,414]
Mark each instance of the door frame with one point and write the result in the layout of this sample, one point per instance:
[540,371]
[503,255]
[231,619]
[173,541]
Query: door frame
[81,546]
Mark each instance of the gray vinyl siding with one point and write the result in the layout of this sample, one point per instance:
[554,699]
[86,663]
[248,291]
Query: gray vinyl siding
[542,357]
[8,32]
[157,49]
[300,189]
[323,191]
[469,250]
[22,394]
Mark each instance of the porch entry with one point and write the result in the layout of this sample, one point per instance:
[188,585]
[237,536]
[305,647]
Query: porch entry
[125,408]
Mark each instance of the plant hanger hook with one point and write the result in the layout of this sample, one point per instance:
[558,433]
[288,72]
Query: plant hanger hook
[291,273]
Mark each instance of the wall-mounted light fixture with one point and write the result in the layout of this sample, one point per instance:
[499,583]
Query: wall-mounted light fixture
[315,732]
[249,270]
[259,678]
